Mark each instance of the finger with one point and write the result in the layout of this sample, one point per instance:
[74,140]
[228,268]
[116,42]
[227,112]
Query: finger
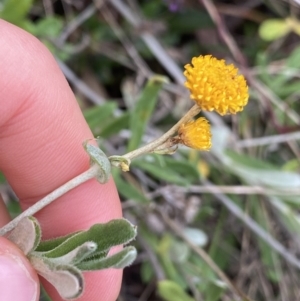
[41,134]
[18,279]
[4,215]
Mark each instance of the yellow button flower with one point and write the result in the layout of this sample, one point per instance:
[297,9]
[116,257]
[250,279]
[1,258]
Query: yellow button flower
[216,86]
[195,134]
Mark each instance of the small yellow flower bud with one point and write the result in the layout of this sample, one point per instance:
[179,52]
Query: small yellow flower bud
[216,86]
[195,134]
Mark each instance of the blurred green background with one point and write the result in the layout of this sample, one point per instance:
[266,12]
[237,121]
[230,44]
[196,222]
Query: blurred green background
[234,209]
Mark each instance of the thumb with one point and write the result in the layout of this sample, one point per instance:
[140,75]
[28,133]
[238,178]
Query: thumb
[18,279]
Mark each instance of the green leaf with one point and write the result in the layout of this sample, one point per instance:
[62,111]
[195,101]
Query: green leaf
[76,255]
[2,178]
[160,172]
[143,110]
[97,116]
[274,29]
[115,126]
[171,291]
[179,252]
[183,167]
[115,232]
[164,250]
[250,162]
[269,257]
[293,60]
[286,90]
[146,272]
[50,244]
[126,190]
[254,171]
[291,165]
[213,292]
[119,260]
[15,11]
[260,172]
[288,215]
[189,20]
[49,27]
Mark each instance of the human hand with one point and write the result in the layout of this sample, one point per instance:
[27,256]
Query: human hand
[41,134]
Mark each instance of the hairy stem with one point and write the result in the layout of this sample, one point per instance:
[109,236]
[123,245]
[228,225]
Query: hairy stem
[94,170]
[85,176]
[150,147]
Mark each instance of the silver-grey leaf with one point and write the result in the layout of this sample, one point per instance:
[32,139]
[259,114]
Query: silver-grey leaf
[67,279]
[26,235]
[75,255]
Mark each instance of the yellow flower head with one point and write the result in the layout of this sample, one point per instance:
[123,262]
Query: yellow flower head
[215,85]
[195,134]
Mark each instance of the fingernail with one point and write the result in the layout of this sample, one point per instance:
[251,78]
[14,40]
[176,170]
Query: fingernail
[15,281]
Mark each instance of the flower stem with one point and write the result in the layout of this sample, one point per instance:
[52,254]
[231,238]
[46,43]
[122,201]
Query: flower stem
[85,176]
[94,170]
[150,147]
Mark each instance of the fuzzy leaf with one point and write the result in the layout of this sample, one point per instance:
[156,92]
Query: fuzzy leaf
[26,235]
[118,261]
[115,232]
[76,255]
[98,156]
[50,244]
[67,280]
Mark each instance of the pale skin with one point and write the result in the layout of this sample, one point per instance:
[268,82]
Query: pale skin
[41,134]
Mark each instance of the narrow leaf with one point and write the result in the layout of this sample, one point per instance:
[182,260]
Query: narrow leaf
[114,126]
[50,244]
[115,232]
[143,110]
[98,115]
[260,172]
[161,172]
[76,255]
[128,191]
[184,168]
[171,291]
[119,260]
